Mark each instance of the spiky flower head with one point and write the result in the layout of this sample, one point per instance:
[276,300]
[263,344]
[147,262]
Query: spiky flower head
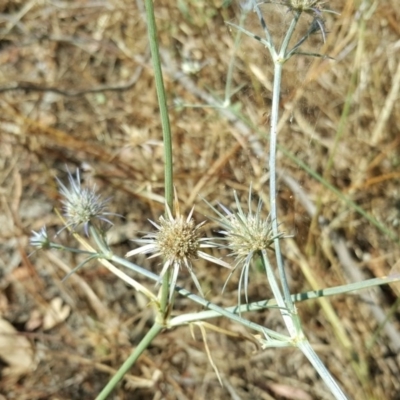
[82,206]
[40,239]
[178,241]
[245,235]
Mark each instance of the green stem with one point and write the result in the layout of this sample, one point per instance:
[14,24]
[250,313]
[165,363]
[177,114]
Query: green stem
[288,316]
[288,36]
[272,183]
[270,43]
[316,362]
[165,300]
[57,246]
[271,303]
[125,367]
[166,128]
[279,60]
[162,102]
[272,281]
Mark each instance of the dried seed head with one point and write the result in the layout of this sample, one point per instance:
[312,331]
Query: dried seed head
[249,235]
[246,235]
[178,240]
[82,205]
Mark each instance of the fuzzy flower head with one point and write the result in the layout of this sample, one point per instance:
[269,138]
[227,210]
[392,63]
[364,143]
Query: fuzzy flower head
[178,241]
[246,235]
[178,238]
[40,239]
[82,206]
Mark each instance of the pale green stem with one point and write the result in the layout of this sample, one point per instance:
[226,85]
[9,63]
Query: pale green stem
[271,303]
[57,246]
[164,299]
[107,254]
[272,183]
[286,314]
[312,356]
[278,67]
[162,102]
[265,28]
[292,321]
[197,299]
[98,238]
[272,281]
[130,361]
[166,128]
[288,36]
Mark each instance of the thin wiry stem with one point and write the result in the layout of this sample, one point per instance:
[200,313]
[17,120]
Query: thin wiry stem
[272,184]
[166,128]
[125,367]
[162,102]
[263,25]
[279,60]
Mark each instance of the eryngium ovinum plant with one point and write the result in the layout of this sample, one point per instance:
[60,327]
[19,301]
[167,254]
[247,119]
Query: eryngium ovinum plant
[178,241]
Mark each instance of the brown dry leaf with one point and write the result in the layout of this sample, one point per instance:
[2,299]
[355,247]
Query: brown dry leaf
[56,313]
[35,321]
[15,350]
[290,392]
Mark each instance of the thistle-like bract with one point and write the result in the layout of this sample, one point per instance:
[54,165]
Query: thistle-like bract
[82,206]
[246,235]
[178,241]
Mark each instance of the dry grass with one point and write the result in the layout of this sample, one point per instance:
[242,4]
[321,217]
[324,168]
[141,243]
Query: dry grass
[114,134]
